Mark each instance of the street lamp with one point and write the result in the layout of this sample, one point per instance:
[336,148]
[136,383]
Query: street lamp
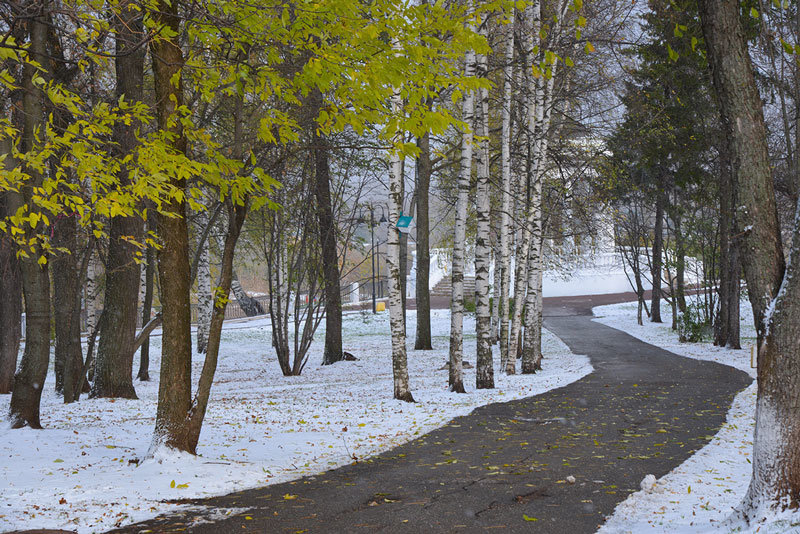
[372,253]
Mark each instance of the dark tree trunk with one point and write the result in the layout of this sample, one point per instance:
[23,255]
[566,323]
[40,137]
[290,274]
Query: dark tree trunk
[680,264]
[147,308]
[67,278]
[658,246]
[423,294]
[726,326]
[114,364]
[29,379]
[10,307]
[327,229]
[174,271]
[775,299]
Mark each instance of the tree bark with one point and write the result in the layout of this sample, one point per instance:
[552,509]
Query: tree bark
[402,389]
[327,228]
[658,246]
[484,366]
[506,221]
[190,432]
[205,293]
[726,326]
[534,115]
[10,304]
[250,306]
[67,275]
[30,377]
[775,298]
[423,294]
[114,362]
[175,384]
[147,305]
[456,374]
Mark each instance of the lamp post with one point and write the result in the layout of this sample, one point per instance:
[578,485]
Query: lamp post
[372,253]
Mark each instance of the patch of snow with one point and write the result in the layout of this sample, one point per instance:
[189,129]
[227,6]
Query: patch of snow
[703,493]
[83,473]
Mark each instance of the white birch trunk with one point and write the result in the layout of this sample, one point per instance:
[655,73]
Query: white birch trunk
[402,390]
[497,278]
[506,221]
[456,376]
[532,347]
[534,113]
[484,375]
[142,288]
[92,299]
[205,294]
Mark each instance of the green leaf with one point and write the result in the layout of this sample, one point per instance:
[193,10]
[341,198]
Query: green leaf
[673,55]
[172,484]
[528,518]
[754,12]
[568,62]
[694,43]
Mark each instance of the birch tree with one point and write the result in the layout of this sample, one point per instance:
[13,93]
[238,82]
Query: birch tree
[533,16]
[397,323]
[506,221]
[484,375]
[205,296]
[456,378]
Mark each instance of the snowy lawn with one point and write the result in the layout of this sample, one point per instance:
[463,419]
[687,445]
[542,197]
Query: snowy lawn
[80,473]
[700,494]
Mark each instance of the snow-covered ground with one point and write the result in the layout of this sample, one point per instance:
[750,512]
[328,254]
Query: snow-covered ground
[701,493]
[261,428]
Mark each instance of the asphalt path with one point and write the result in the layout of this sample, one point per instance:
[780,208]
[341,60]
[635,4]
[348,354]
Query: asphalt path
[509,467]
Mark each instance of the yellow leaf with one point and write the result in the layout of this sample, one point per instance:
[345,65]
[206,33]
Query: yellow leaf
[172,484]
[289,497]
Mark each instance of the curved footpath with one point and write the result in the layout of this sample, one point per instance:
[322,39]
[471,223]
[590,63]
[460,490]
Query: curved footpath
[504,467]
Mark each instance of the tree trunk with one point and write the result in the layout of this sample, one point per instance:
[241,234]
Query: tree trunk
[680,263]
[205,293]
[250,306]
[67,275]
[484,367]
[175,383]
[456,375]
[534,114]
[327,228]
[147,307]
[30,377]
[190,432]
[114,362]
[726,326]
[10,304]
[506,221]
[497,276]
[402,389]
[423,293]
[775,298]
[655,273]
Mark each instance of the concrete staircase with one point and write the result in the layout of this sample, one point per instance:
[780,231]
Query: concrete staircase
[444,288]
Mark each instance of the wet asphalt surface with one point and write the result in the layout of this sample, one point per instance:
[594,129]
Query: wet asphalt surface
[505,466]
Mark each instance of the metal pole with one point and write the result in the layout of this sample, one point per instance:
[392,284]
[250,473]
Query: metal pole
[372,229]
